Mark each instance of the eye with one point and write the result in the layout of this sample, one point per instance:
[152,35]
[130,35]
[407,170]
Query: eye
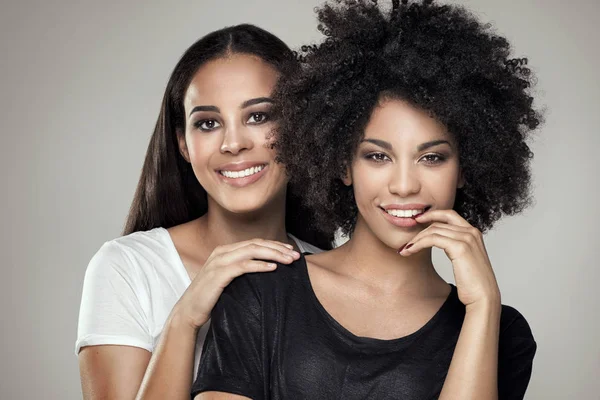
[258,118]
[433,159]
[206,125]
[377,157]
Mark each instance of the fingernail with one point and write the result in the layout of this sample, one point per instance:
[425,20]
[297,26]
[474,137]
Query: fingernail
[295,254]
[400,249]
[289,246]
[408,246]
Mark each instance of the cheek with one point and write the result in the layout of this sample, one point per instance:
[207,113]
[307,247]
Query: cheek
[443,188]
[200,149]
[368,183]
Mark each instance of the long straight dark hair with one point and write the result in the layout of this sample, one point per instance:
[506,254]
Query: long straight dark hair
[168,192]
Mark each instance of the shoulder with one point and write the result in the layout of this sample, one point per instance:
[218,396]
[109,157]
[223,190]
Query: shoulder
[131,255]
[514,324]
[305,247]
[262,286]
[516,338]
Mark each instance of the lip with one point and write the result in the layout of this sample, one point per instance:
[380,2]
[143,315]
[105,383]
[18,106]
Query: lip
[403,222]
[240,166]
[412,206]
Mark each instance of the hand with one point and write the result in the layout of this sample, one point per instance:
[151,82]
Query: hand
[463,244]
[223,265]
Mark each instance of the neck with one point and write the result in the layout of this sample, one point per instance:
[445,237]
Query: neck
[221,227]
[379,265]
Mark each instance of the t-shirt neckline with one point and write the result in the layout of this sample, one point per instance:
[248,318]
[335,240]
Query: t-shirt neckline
[369,343]
[179,263]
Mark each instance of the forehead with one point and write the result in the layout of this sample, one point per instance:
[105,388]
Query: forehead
[394,120]
[231,80]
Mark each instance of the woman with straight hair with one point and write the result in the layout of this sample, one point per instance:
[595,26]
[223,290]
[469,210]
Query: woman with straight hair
[211,204]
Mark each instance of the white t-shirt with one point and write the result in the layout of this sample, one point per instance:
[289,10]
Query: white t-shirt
[130,287]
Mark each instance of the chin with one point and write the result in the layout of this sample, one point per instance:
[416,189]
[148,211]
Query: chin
[394,244]
[396,237]
[244,208]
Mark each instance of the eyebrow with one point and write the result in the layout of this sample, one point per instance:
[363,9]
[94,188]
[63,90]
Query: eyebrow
[205,108]
[245,104]
[258,100]
[380,143]
[421,147]
[426,145]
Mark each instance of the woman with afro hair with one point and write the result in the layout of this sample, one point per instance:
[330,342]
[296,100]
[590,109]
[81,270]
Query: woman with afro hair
[407,128]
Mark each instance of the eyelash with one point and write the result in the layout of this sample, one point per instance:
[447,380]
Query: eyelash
[264,115]
[198,125]
[256,115]
[439,158]
[377,157]
[430,159]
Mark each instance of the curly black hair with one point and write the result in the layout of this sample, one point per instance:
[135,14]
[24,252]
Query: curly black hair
[439,58]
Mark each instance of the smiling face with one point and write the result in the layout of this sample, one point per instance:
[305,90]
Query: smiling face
[227,108]
[406,164]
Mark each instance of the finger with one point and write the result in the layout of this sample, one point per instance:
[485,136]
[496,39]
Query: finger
[224,276]
[451,231]
[263,242]
[257,252]
[433,228]
[444,225]
[283,247]
[453,243]
[249,266]
[445,216]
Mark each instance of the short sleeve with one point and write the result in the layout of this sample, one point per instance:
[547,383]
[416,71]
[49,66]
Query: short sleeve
[515,357]
[233,357]
[111,311]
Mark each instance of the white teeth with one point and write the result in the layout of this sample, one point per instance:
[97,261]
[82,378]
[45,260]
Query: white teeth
[242,174]
[404,213]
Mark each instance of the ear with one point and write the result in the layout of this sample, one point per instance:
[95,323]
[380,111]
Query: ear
[461,180]
[347,177]
[183,150]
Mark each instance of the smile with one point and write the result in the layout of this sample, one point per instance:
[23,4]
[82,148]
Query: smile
[405,213]
[404,216]
[243,173]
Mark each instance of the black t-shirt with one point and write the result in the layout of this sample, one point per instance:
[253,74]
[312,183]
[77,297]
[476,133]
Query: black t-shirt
[270,338]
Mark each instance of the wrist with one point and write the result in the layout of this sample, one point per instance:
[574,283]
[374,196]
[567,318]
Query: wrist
[491,306]
[180,321]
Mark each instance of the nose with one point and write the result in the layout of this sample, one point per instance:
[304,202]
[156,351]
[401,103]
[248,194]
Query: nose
[235,140]
[405,181]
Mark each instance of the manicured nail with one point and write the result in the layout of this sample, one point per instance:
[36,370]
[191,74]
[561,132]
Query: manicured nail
[400,249]
[408,246]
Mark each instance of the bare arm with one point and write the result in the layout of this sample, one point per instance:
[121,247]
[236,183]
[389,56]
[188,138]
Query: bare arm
[169,373]
[112,372]
[473,372]
[123,372]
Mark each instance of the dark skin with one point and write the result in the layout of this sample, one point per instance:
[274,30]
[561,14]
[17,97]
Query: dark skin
[407,157]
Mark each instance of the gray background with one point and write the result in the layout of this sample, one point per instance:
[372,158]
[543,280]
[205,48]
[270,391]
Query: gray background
[81,84]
